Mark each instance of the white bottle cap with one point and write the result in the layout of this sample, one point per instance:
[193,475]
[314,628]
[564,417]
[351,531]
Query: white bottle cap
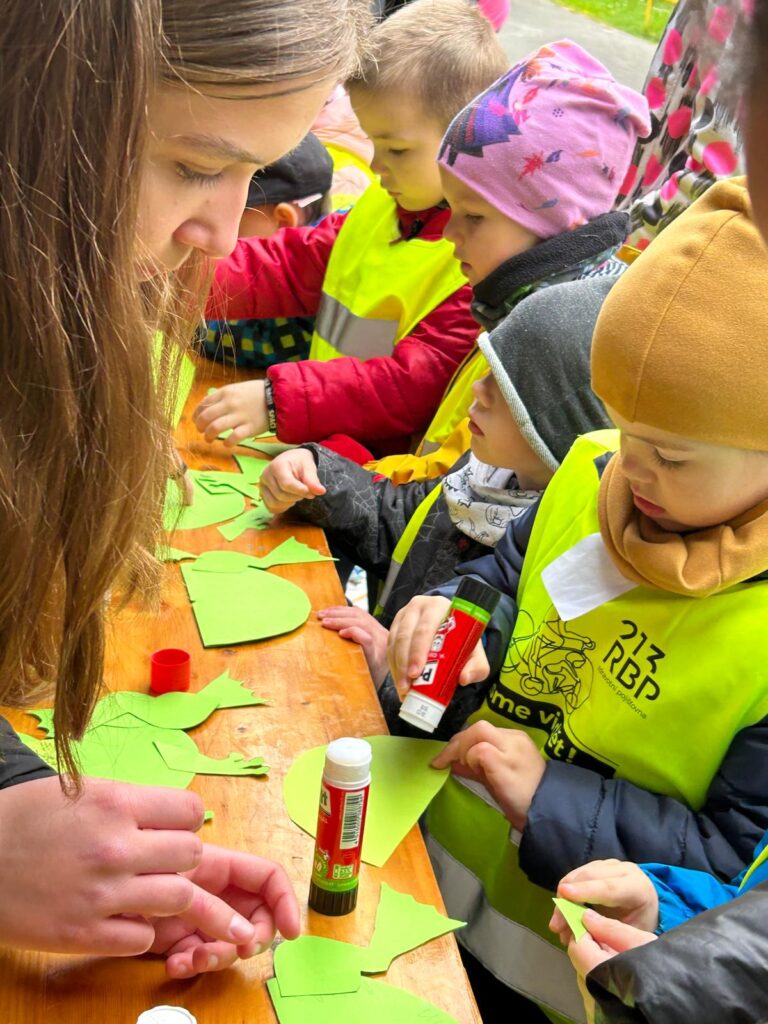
[166,1015]
[348,761]
[423,712]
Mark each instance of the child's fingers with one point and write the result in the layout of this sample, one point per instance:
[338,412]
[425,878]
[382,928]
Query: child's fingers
[458,747]
[605,892]
[559,926]
[356,634]
[611,868]
[411,635]
[344,615]
[613,934]
[477,668]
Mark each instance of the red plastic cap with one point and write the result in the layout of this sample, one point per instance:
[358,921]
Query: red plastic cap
[170,671]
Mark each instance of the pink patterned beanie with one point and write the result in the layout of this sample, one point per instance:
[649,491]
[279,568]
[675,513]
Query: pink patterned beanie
[549,143]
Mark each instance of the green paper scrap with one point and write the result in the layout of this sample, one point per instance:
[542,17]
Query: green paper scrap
[208,816]
[312,965]
[250,467]
[185,379]
[121,740]
[402,924]
[168,554]
[252,519]
[236,608]
[224,561]
[573,913]
[375,1002]
[215,481]
[273,447]
[184,760]
[205,510]
[402,784]
[290,552]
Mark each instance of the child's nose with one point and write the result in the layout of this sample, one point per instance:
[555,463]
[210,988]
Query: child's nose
[481,391]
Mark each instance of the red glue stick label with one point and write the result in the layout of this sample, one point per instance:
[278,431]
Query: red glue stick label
[340,824]
[452,645]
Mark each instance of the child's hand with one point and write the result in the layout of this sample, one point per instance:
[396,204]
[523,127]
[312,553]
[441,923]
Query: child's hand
[355,624]
[506,761]
[411,635]
[290,477]
[604,939]
[241,408]
[619,888]
[257,889]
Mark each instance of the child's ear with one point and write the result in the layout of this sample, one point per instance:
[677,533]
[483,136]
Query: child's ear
[287,215]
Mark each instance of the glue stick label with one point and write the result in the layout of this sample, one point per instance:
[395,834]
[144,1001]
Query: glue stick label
[451,646]
[338,845]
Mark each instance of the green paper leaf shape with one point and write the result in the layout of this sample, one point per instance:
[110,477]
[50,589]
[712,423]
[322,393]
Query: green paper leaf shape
[402,924]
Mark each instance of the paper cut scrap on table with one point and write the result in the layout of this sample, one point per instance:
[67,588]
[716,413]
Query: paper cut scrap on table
[374,1002]
[312,965]
[183,760]
[205,510]
[573,913]
[250,467]
[402,923]
[132,737]
[168,554]
[402,784]
[269,447]
[242,606]
[214,481]
[257,518]
[290,552]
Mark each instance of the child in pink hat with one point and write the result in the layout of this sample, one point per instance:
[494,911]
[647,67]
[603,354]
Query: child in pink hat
[547,144]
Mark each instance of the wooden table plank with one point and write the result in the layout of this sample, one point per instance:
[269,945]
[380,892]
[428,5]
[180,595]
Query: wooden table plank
[319,689]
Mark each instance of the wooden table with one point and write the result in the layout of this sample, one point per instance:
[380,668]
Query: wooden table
[320,689]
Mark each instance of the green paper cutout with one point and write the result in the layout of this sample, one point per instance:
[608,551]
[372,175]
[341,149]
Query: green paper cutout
[168,554]
[186,710]
[375,1002]
[290,552]
[250,467]
[402,924]
[236,608]
[224,561]
[120,741]
[270,448]
[205,510]
[573,913]
[208,816]
[402,785]
[182,760]
[215,481]
[312,965]
[253,519]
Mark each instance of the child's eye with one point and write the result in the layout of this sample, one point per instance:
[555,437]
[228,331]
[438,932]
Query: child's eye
[397,152]
[197,176]
[474,218]
[666,463]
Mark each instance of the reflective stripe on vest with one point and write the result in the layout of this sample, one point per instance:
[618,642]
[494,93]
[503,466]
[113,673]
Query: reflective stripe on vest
[404,545]
[649,686]
[758,869]
[455,402]
[377,286]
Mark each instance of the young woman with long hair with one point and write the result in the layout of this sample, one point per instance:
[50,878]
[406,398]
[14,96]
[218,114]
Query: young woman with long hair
[129,130]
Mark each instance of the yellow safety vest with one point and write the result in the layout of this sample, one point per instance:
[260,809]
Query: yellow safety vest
[343,159]
[378,286]
[649,686]
[447,437]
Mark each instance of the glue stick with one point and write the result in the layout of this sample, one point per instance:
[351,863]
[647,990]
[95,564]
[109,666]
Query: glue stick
[431,693]
[340,823]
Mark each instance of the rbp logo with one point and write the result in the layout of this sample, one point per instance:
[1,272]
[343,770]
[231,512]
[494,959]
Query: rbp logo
[634,665]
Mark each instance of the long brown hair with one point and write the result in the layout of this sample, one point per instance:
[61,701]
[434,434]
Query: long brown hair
[84,444]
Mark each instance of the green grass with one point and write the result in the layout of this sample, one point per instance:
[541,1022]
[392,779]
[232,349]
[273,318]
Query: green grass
[628,15]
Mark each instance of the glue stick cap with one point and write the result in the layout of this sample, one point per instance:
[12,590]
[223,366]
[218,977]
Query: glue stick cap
[348,762]
[478,593]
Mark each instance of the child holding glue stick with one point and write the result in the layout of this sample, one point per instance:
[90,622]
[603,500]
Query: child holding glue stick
[628,717]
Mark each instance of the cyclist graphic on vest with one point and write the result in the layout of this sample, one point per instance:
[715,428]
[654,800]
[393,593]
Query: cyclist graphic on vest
[554,661]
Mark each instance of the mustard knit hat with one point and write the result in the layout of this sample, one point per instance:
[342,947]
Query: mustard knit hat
[681,342]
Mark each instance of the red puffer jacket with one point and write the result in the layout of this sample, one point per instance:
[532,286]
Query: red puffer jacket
[380,403]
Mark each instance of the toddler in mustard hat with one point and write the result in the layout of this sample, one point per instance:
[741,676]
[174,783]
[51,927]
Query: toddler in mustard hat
[628,717]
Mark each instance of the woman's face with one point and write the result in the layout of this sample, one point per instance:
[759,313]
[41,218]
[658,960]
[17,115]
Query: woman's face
[203,148]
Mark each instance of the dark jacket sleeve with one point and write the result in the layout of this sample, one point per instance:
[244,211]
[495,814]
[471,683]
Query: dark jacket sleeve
[711,970]
[501,570]
[17,762]
[363,507]
[577,816]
